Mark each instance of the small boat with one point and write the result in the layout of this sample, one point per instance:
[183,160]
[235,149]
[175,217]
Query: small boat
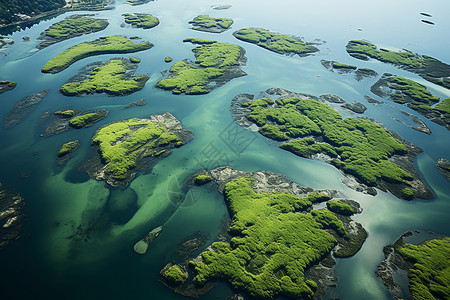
[142,246]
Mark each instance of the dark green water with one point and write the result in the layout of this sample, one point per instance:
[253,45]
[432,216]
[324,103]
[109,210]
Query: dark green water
[100,263]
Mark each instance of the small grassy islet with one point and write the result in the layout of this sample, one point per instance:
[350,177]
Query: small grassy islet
[110,78]
[102,45]
[85,119]
[214,60]
[70,27]
[276,42]
[6,85]
[122,143]
[210,24]
[68,148]
[145,21]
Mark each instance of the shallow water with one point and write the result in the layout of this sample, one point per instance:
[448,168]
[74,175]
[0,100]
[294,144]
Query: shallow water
[58,259]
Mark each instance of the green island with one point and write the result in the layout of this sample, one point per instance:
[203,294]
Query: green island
[427,264]
[125,147]
[356,146]
[145,21]
[415,96]
[168,59]
[210,24]
[66,119]
[216,63]
[70,27]
[427,67]
[274,241]
[340,68]
[6,85]
[103,45]
[276,42]
[68,148]
[110,78]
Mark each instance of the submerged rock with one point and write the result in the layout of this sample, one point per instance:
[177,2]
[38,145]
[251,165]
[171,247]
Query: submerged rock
[23,108]
[11,216]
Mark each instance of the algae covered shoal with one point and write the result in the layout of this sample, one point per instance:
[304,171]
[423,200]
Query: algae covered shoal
[138,20]
[112,78]
[210,24]
[356,146]
[102,45]
[416,96]
[275,237]
[427,264]
[70,27]
[216,63]
[6,85]
[276,42]
[427,67]
[127,146]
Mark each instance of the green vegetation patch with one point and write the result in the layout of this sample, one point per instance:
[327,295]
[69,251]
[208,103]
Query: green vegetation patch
[168,59]
[6,85]
[202,179]
[70,27]
[123,144]
[272,243]
[337,65]
[102,45]
[111,78]
[145,21]
[341,207]
[68,148]
[415,96]
[356,146]
[174,275]
[427,67]
[65,113]
[135,60]
[429,276]
[216,63]
[85,119]
[210,24]
[276,42]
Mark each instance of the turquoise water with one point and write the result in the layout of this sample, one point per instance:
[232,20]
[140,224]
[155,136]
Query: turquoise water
[100,263]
